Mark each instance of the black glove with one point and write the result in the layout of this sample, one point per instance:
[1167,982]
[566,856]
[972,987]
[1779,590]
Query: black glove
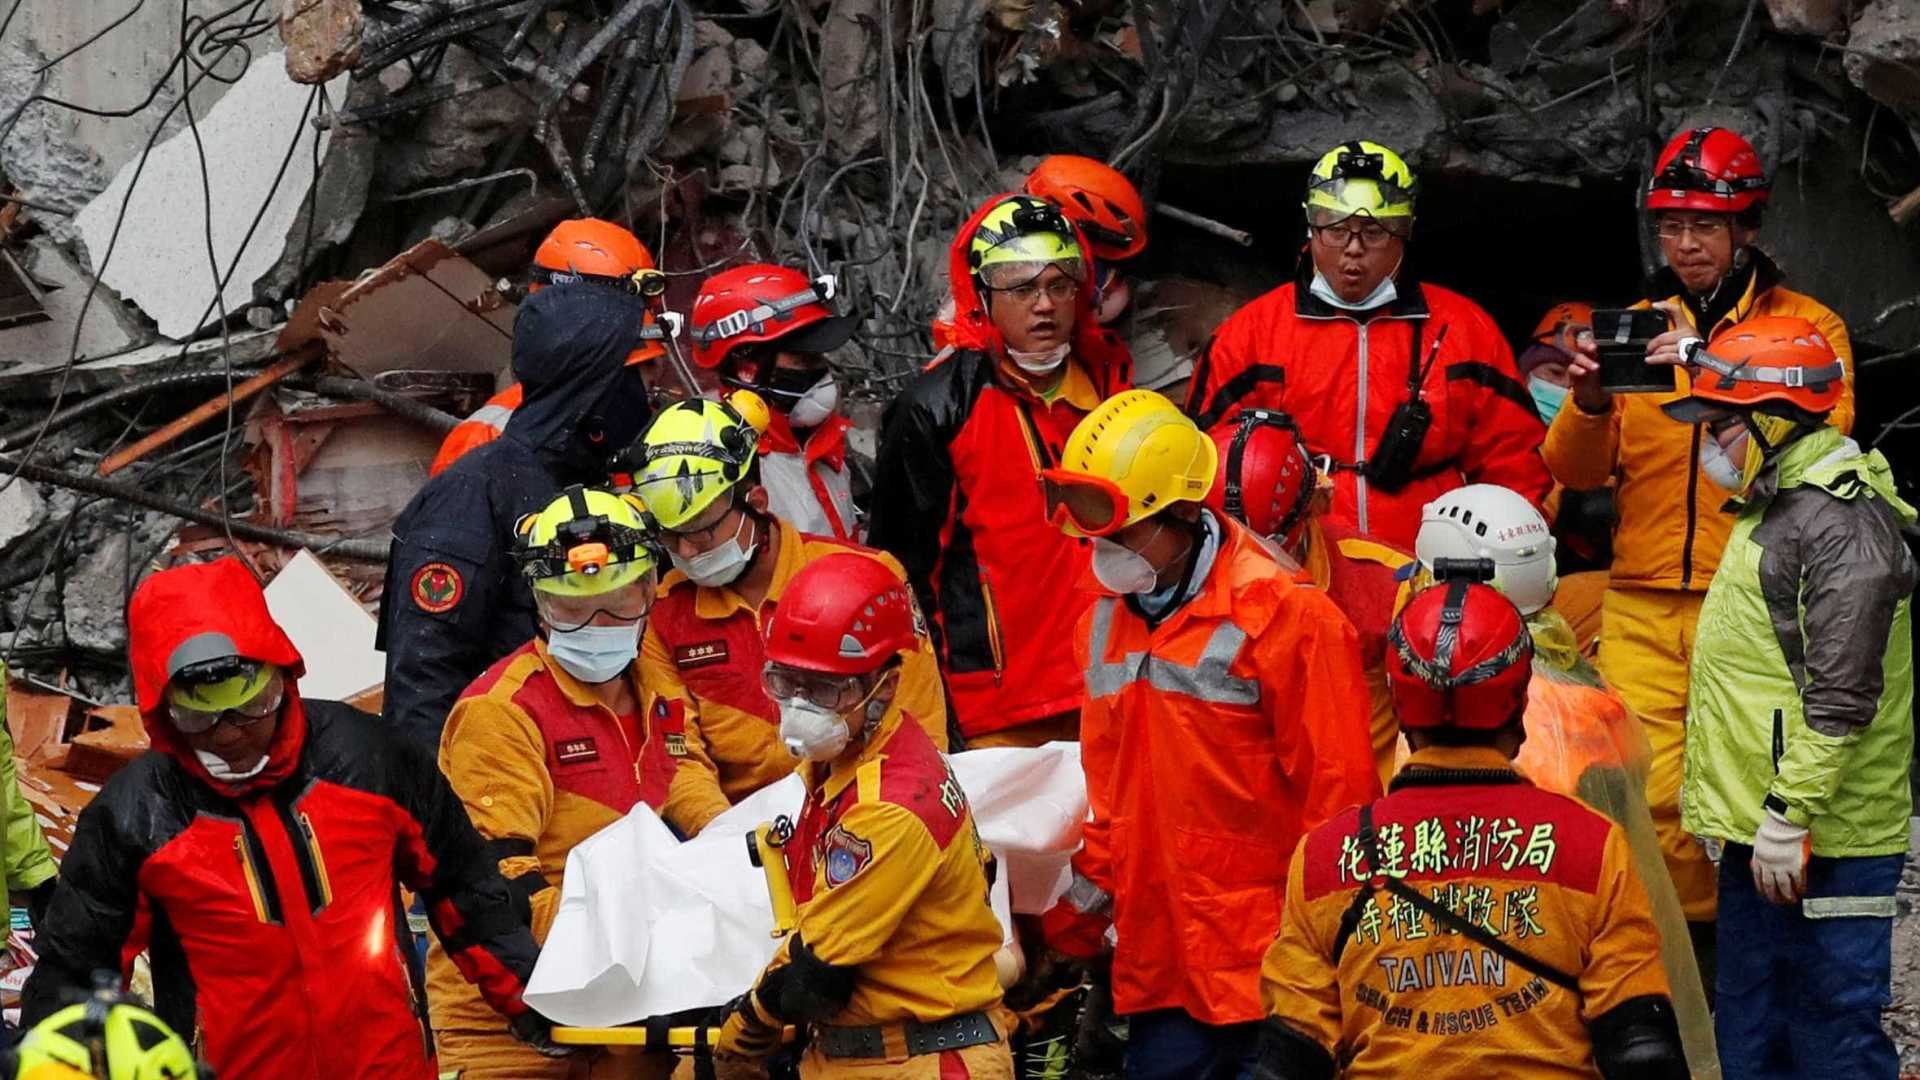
[537,1032]
[38,898]
[750,1030]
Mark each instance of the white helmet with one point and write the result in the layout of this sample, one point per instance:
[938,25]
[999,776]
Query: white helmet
[1487,521]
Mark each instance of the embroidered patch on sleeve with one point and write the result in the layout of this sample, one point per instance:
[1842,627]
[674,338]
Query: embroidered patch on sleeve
[846,855]
[437,588]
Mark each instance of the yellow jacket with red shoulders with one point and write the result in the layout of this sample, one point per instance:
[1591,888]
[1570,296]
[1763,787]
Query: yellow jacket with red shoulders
[1406,997]
[541,765]
[1672,528]
[701,659]
[1211,741]
[891,880]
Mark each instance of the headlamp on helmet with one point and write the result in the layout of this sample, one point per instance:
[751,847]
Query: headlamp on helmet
[1360,177]
[1024,229]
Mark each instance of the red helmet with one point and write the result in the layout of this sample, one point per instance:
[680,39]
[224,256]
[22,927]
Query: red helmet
[1096,197]
[759,302]
[1710,169]
[1460,656]
[1266,478]
[589,248]
[842,614]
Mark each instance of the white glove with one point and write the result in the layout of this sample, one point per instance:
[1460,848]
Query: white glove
[1780,850]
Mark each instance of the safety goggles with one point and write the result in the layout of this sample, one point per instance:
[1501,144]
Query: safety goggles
[756,318]
[1090,505]
[629,603]
[243,699]
[836,692]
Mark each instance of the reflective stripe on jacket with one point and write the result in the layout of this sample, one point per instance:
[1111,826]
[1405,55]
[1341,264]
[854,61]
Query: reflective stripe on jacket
[701,662]
[1409,998]
[540,765]
[1671,523]
[1211,742]
[484,426]
[1802,684]
[1342,374]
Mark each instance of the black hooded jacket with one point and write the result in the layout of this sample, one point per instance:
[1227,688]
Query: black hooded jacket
[454,602]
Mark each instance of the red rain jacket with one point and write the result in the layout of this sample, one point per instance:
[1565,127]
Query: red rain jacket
[271,905]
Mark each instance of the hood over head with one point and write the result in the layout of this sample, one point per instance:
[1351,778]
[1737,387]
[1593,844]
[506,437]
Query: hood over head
[570,350]
[1098,349]
[217,598]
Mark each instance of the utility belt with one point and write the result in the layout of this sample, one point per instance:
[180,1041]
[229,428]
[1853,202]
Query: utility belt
[910,1039]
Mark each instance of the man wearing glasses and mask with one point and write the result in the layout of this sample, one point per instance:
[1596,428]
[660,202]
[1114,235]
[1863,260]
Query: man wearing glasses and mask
[769,329]
[956,495]
[547,748]
[701,657]
[1408,388]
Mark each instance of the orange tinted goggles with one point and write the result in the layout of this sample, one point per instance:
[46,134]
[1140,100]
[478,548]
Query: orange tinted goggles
[1076,502]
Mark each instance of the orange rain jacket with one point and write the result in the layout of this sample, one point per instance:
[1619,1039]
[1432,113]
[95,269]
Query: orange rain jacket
[1341,379]
[1211,743]
[1406,997]
[701,661]
[1672,528]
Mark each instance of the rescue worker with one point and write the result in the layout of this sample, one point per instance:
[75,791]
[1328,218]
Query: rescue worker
[545,748]
[1226,714]
[107,1036]
[732,561]
[579,251]
[1706,198]
[454,602]
[1583,521]
[1468,924]
[769,329]
[1269,483]
[256,851]
[1105,206]
[1800,709]
[956,493]
[29,869]
[891,960]
[1408,388]
[1581,739]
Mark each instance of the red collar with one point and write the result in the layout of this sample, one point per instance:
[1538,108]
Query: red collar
[828,443]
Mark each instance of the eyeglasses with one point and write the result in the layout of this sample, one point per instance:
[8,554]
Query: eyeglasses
[628,604]
[1059,290]
[836,692]
[195,721]
[1372,234]
[701,537]
[1701,228]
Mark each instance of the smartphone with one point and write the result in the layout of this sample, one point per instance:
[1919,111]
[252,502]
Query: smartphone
[1620,337]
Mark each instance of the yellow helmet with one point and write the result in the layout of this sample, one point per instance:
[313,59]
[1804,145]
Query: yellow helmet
[1360,177]
[585,543]
[1025,229]
[695,451]
[107,1038]
[1130,458]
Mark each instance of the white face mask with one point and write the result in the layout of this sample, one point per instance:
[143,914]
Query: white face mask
[723,564]
[1383,293]
[1041,363]
[595,654]
[815,405]
[218,768]
[1719,467]
[812,732]
[1122,569]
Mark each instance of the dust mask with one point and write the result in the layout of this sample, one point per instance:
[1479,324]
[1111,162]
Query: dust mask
[1720,467]
[1382,294]
[721,566]
[1041,363]
[218,768]
[815,405]
[1122,569]
[812,732]
[595,654]
[1547,397]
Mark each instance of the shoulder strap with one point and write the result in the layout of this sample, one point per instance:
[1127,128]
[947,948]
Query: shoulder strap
[1444,916]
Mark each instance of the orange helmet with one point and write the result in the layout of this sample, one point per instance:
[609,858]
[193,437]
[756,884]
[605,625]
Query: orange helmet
[592,250]
[1708,168]
[1554,326]
[1775,364]
[1097,198]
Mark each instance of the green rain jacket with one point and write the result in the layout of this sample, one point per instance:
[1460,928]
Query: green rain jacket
[1802,684]
[28,860]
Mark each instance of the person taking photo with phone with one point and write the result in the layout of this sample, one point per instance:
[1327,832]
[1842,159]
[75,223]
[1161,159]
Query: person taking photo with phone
[1706,199]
